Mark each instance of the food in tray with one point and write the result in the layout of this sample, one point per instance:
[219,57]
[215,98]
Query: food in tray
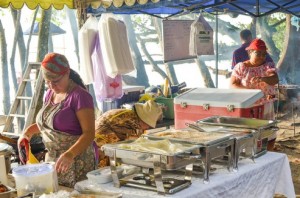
[155,146]
[190,135]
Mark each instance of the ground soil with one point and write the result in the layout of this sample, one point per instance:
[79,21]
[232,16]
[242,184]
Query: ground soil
[288,141]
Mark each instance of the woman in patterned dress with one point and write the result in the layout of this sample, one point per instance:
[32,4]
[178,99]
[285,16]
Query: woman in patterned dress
[256,73]
[123,124]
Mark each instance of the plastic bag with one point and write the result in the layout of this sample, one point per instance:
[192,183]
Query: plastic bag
[115,46]
[86,42]
[105,86]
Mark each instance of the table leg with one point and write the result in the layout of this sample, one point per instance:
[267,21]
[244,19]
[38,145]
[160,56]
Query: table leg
[293,118]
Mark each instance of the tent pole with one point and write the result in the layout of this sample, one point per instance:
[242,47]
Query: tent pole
[217,49]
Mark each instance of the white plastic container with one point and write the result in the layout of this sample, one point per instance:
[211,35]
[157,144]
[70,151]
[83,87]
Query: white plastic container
[36,178]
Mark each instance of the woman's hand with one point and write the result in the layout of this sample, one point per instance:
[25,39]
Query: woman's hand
[64,162]
[256,79]
[23,147]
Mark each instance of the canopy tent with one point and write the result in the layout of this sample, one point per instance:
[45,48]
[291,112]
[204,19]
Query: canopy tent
[32,4]
[254,8]
[54,29]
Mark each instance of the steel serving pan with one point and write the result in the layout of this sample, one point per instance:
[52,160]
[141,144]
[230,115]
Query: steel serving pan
[171,161]
[193,136]
[249,123]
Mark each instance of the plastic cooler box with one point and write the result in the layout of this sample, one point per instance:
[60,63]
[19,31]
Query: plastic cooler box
[199,103]
[130,94]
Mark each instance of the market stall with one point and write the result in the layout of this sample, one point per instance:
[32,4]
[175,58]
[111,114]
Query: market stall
[268,175]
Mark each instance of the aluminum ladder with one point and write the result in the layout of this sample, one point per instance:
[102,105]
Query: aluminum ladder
[20,98]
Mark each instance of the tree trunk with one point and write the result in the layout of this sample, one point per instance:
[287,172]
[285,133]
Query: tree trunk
[74,29]
[44,31]
[266,32]
[21,42]
[150,59]
[141,76]
[4,72]
[205,73]
[287,61]
[13,53]
[253,27]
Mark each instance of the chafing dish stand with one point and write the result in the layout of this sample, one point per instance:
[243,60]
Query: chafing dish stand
[152,180]
[209,149]
[258,132]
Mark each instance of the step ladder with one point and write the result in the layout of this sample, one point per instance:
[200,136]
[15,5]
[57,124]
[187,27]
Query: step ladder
[20,99]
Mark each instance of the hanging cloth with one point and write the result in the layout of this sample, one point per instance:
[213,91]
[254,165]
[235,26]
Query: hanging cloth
[86,42]
[201,38]
[115,46]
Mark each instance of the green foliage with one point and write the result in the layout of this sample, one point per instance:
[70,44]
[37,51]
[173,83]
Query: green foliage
[143,21]
[58,16]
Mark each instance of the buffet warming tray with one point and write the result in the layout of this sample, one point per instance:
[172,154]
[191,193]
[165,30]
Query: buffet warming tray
[120,153]
[260,129]
[244,140]
[212,145]
[238,122]
[190,136]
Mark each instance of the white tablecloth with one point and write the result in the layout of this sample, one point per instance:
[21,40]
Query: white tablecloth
[269,174]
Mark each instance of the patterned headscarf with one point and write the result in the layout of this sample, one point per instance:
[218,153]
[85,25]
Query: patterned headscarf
[55,65]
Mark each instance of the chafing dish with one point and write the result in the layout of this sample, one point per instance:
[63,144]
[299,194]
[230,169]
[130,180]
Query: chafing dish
[260,129]
[214,145]
[244,140]
[148,160]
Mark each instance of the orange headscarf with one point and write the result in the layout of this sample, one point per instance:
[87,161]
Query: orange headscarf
[55,65]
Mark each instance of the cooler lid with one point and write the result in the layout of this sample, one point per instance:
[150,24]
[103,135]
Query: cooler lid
[32,170]
[239,98]
[126,89]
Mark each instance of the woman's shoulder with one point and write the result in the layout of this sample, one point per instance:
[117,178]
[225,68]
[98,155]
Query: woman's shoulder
[240,65]
[78,91]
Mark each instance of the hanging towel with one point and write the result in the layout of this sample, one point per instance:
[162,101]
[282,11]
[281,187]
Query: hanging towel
[86,42]
[105,87]
[115,46]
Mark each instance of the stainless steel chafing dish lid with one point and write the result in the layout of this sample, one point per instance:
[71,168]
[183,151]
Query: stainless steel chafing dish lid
[116,146]
[209,138]
[171,161]
[249,123]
